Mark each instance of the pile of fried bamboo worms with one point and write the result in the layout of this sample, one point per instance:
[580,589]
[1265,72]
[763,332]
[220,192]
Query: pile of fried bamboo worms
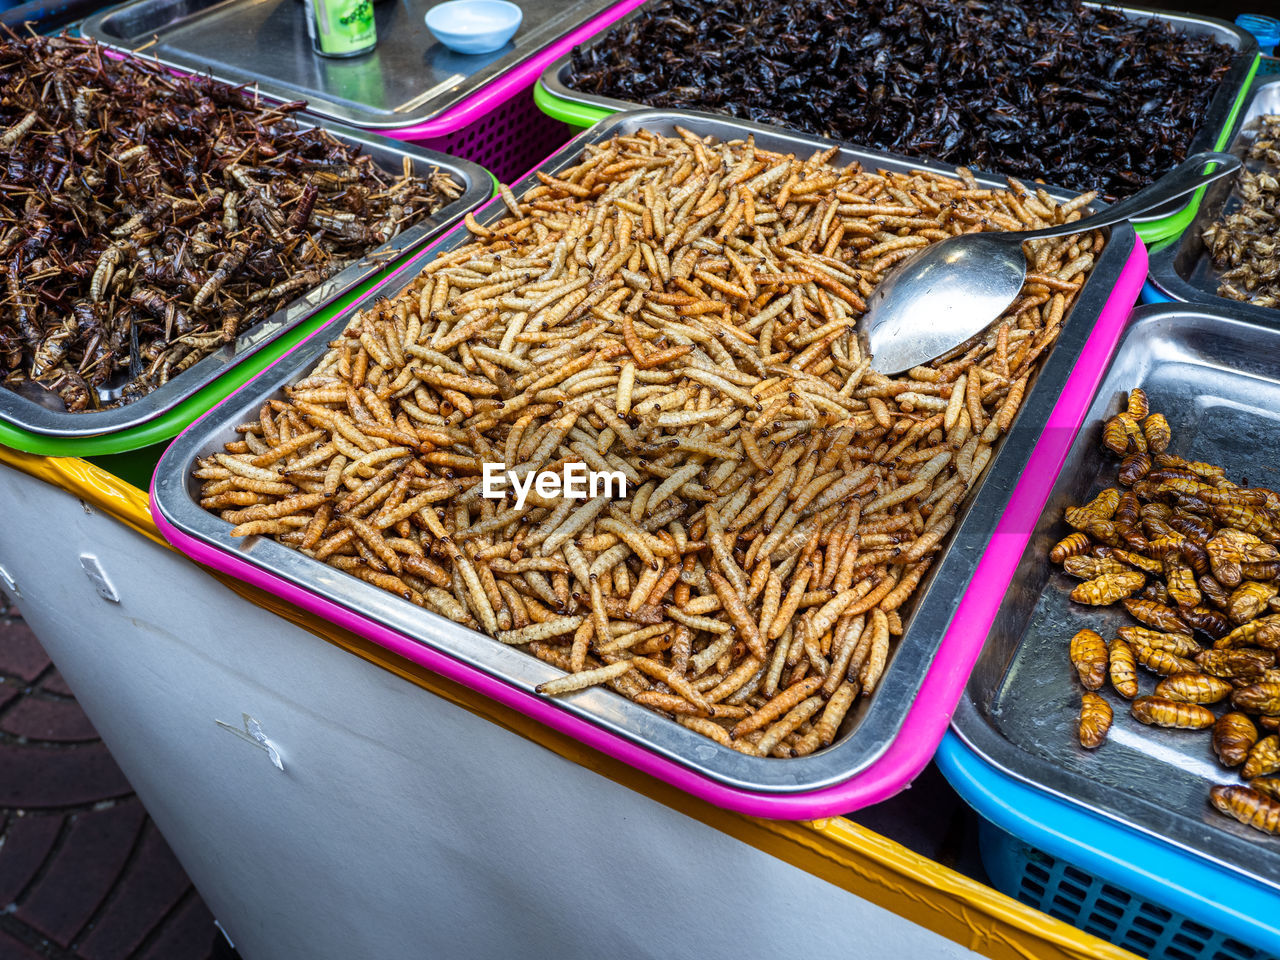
[149,219]
[678,310]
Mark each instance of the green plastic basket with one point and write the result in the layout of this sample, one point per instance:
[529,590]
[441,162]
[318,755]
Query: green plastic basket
[579,116]
[1154,231]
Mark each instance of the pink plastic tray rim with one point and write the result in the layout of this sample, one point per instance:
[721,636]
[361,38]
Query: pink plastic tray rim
[499,90]
[931,712]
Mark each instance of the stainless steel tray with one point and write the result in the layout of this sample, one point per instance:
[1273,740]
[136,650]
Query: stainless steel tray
[1216,377]
[554,78]
[44,413]
[409,78]
[1181,268]
[872,726]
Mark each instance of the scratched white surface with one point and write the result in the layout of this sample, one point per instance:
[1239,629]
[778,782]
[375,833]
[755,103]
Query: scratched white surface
[400,825]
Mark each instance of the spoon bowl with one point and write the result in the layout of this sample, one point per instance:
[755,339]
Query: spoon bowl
[954,289]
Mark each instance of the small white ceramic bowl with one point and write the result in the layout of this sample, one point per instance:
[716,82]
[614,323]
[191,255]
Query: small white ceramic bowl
[474,26]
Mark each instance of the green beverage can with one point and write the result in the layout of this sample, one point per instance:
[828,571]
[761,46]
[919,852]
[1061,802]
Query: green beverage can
[341,28]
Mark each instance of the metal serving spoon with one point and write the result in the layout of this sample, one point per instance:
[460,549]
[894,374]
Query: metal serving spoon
[954,289]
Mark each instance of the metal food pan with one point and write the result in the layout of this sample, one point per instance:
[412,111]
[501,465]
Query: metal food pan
[1217,120]
[872,726]
[1216,377]
[1181,269]
[40,411]
[409,78]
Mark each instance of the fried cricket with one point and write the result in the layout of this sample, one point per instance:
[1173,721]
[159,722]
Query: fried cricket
[150,219]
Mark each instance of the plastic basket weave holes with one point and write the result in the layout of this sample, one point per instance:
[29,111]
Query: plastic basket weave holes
[1068,893]
[509,140]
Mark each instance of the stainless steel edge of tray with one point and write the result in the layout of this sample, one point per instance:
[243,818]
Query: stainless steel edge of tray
[1206,138]
[1180,268]
[872,726]
[1216,377]
[55,420]
[409,78]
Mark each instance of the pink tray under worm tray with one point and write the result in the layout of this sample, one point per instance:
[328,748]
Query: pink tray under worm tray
[518,79]
[935,697]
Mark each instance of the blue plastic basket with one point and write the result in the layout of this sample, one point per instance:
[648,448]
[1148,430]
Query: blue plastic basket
[1265,29]
[1151,294]
[1068,893]
[1094,872]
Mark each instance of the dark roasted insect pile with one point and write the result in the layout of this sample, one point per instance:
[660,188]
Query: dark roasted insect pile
[677,311]
[1245,243]
[148,219]
[1084,97]
[1188,552]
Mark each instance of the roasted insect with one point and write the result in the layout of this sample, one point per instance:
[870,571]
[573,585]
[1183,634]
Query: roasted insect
[1162,661]
[1249,600]
[1087,568]
[151,218]
[1233,737]
[1258,698]
[1181,581]
[1267,786]
[1156,615]
[1171,713]
[1213,550]
[1240,663]
[1089,657]
[1071,545]
[1123,669]
[1193,688]
[1230,549]
[1206,620]
[677,310]
[1263,759]
[1179,644]
[1004,85]
[1122,436]
[1134,468]
[1248,806]
[1101,507]
[1108,588]
[1095,721]
[1263,632]
[1156,429]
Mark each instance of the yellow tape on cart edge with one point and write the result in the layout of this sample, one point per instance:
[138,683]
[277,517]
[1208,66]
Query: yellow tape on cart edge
[837,850]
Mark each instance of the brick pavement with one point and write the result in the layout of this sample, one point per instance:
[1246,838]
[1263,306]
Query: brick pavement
[84,873]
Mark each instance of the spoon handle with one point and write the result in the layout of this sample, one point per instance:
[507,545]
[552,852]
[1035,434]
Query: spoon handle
[1187,177]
